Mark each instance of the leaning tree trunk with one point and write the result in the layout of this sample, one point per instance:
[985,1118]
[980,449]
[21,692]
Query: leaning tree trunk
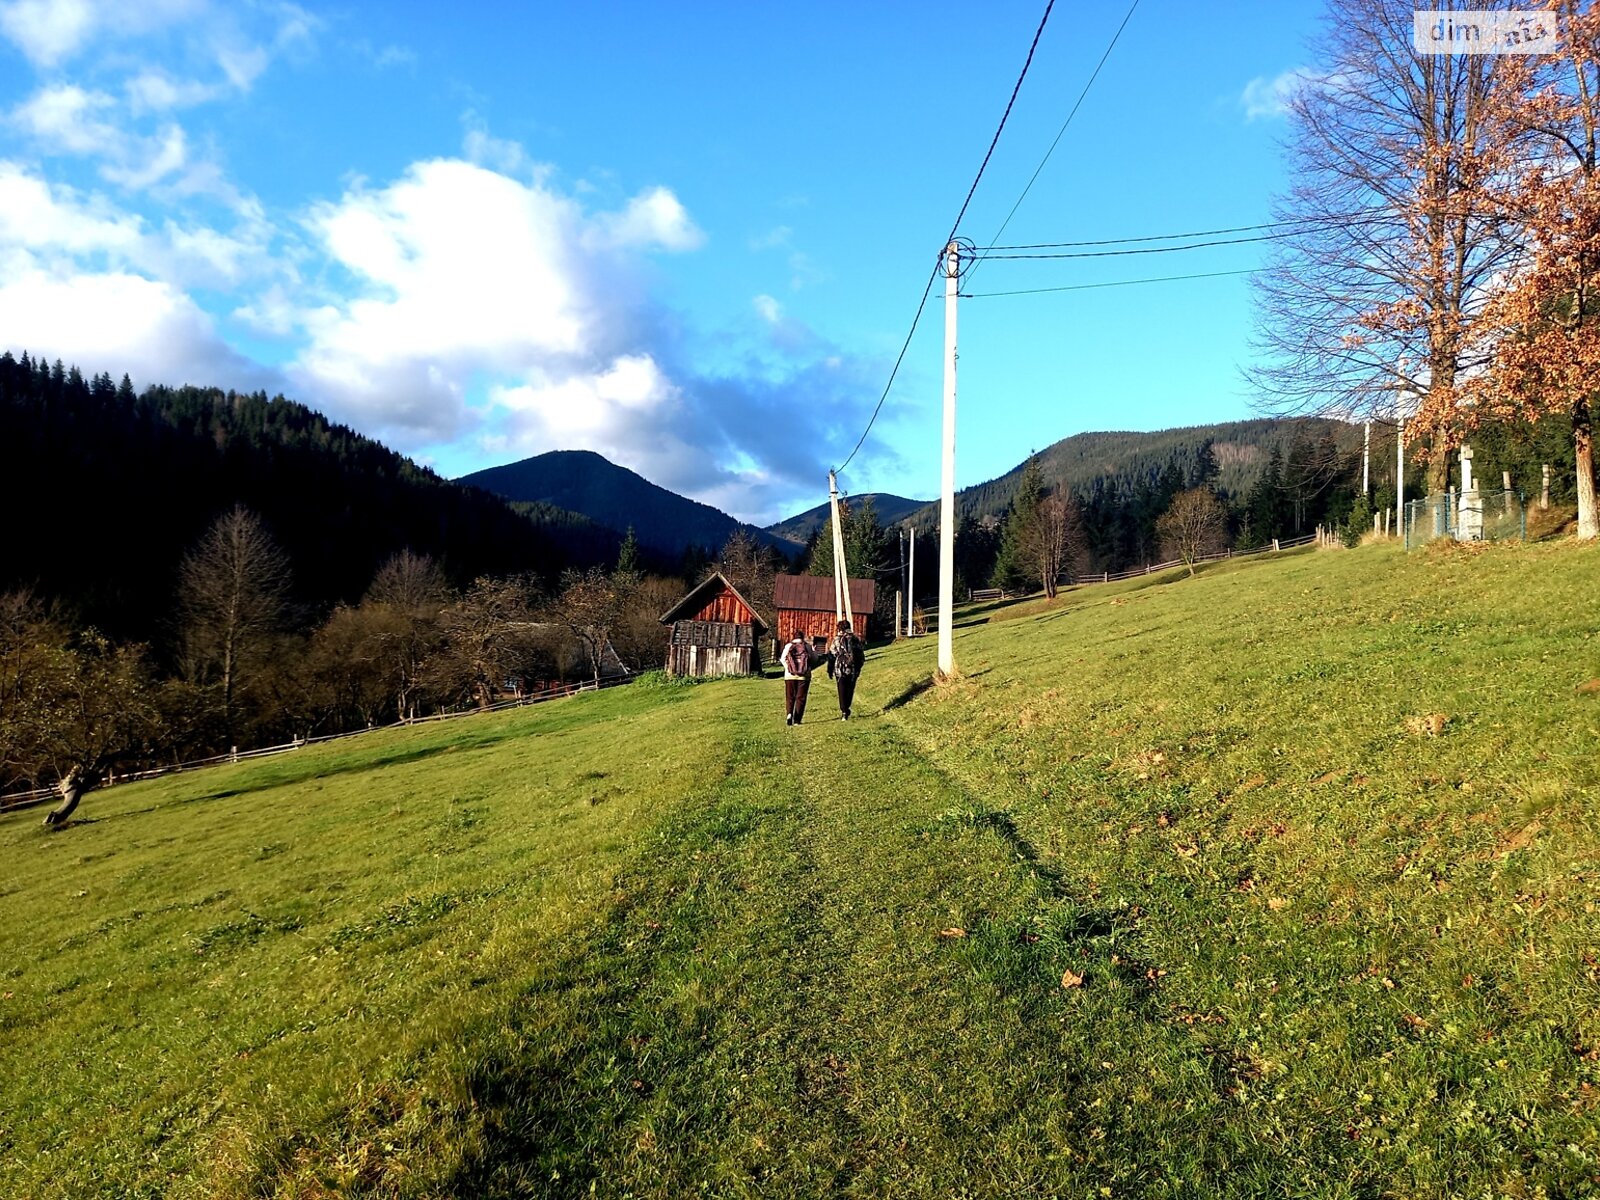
[76,782]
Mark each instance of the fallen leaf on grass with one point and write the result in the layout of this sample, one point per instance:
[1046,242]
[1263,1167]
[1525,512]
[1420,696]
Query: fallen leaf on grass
[1187,851]
[1276,903]
[953,932]
[1325,777]
[1429,724]
[1414,1021]
[1250,784]
[1070,979]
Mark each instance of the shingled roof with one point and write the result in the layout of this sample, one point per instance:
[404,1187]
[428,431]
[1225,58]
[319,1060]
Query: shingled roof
[814,593]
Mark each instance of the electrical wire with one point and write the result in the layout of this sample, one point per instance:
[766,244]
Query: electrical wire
[1265,237]
[1084,287]
[1076,105]
[928,287]
[1298,225]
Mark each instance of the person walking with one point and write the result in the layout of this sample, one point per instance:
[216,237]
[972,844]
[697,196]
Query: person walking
[798,660]
[845,657]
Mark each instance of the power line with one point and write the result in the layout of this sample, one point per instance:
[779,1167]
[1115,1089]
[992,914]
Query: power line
[923,303]
[1266,237]
[1076,105]
[1299,225]
[1084,287]
[995,141]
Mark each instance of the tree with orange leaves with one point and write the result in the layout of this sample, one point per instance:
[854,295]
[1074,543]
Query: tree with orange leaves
[1543,324]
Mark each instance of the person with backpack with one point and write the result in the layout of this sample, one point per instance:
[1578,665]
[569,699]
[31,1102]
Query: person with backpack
[845,657]
[798,660]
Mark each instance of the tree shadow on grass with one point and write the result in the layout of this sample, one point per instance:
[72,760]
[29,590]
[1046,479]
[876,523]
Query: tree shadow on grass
[908,693]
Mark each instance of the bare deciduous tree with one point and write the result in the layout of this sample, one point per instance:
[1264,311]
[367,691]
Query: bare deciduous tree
[1054,539]
[1392,243]
[485,640]
[233,595]
[1194,525]
[412,590]
[589,605]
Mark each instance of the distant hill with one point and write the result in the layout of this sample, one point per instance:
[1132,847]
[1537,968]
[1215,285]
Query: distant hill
[891,509]
[582,481]
[1241,449]
[107,490]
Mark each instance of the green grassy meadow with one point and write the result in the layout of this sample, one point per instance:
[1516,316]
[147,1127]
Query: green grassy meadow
[1277,881]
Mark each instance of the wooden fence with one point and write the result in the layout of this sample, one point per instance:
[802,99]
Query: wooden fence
[1152,568]
[15,801]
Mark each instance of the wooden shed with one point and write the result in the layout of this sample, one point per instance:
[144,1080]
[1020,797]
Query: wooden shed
[805,605]
[715,631]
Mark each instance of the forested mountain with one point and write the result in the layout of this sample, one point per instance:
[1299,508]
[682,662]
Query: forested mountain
[891,509]
[1123,461]
[584,482]
[104,490]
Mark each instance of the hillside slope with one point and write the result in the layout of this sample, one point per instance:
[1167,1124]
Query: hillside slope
[107,490]
[1274,881]
[1241,449]
[588,483]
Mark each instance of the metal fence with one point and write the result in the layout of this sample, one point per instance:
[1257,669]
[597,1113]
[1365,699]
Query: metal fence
[1472,517]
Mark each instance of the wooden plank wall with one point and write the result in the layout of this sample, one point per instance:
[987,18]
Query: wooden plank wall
[815,624]
[713,648]
[712,660]
[725,606]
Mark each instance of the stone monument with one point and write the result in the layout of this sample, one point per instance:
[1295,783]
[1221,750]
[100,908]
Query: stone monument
[1469,525]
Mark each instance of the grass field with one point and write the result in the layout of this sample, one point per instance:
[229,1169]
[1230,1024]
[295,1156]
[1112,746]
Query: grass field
[1278,881]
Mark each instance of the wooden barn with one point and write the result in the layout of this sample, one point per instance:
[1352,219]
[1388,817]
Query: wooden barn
[805,605]
[715,631]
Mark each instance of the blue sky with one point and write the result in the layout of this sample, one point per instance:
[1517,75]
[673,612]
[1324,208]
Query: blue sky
[690,237]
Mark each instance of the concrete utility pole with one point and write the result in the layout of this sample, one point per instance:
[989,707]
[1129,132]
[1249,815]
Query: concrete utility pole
[1400,464]
[1366,454]
[911,578]
[947,504]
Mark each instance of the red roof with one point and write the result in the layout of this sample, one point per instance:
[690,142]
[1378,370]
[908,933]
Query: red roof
[814,593]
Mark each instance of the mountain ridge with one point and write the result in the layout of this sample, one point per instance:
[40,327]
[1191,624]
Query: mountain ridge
[615,497]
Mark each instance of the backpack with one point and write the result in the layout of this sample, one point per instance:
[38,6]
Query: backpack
[793,661]
[849,655]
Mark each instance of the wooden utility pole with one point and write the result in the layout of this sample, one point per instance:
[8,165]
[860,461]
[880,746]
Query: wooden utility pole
[841,576]
[947,502]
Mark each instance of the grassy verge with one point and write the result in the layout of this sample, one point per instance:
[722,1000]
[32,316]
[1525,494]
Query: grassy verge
[1278,880]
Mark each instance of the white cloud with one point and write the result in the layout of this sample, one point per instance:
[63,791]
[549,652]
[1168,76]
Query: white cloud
[47,30]
[1264,99]
[156,92]
[652,219]
[770,310]
[456,270]
[35,218]
[119,322]
[772,239]
[165,156]
[499,154]
[67,119]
